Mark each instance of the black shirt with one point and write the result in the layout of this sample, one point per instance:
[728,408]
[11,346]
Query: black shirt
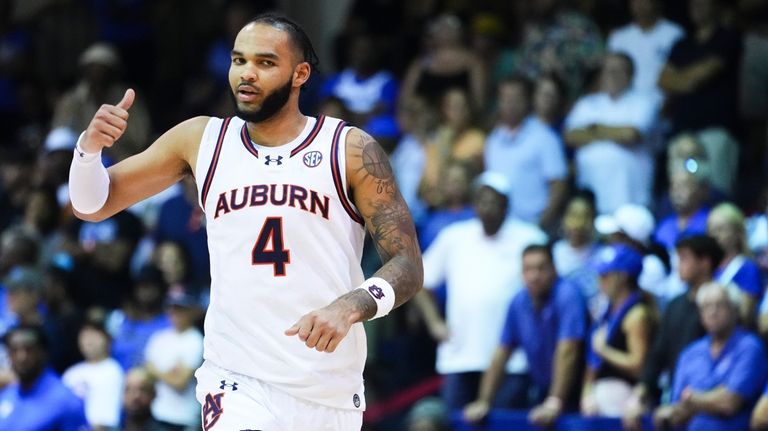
[714,102]
[680,326]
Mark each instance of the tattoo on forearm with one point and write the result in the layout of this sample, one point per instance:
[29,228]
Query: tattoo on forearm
[389,219]
[392,226]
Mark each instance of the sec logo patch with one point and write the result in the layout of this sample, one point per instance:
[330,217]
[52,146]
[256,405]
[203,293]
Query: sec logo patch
[313,158]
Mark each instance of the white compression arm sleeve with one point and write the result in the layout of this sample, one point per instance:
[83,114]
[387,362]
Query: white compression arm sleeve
[88,181]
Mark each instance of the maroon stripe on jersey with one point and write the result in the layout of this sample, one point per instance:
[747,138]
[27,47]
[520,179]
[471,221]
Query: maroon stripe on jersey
[311,137]
[246,138]
[337,179]
[214,162]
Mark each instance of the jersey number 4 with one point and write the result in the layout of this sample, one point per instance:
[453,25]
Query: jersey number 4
[269,248]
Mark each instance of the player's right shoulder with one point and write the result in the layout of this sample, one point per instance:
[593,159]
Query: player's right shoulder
[184,138]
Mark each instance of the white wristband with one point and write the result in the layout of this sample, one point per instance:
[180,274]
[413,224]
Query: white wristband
[88,181]
[381,292]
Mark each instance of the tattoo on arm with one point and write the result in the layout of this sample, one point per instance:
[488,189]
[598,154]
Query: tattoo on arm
[389,219]
[376,165]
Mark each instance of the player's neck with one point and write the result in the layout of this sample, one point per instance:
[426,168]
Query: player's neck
[282,128]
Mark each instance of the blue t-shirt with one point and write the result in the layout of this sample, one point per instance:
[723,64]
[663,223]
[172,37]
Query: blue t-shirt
[668,231]
[47,406]
[742,368]
[562,317]
[747,278]
[129,337]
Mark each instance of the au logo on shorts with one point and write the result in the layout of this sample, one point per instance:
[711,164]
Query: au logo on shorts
[312,158]
[212,410]
[356,400]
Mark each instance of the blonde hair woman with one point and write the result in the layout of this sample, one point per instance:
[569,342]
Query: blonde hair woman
[726,224]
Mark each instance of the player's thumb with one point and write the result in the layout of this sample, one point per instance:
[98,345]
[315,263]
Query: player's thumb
[127,100]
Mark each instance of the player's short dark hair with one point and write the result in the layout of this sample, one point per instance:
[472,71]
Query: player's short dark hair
[295,31]
[540,248]
[41,339]
[702,246]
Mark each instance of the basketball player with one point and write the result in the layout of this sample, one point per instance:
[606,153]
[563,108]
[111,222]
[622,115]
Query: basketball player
[287,200]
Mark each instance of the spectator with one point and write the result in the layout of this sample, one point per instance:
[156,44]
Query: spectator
[456,139]
[549,100]
[622,338]
[548,319]
[608,130]
[726,224]
[718,378]
[367,90]
[98,380]
[578,244]
[633,225]
[700,79]
[688,196]
[488,40]
[182,221]
[100,83]
[445,64]
[699,256]
[138,395]
[529,154]
[172,356]
[479,260]
[53,164]
[574,252]
[39,400]
[560,41]
[140,317]
[455,187]
[417,121]
[648,40]
[24,286]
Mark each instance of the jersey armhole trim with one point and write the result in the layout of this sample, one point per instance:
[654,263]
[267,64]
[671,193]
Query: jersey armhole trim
[338,180]
[214,162]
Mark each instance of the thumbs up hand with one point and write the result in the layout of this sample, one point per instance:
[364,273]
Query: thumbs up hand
[108,124]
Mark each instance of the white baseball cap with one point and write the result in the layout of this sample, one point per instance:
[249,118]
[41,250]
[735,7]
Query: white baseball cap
[494,180]
[60,138]
[635,221]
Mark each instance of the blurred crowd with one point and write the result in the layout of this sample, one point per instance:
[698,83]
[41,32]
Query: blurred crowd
[587,178]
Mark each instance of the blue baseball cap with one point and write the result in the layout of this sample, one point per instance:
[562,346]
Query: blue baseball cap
[619,258]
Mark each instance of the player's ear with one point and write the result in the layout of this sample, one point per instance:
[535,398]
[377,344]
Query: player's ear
[301,74]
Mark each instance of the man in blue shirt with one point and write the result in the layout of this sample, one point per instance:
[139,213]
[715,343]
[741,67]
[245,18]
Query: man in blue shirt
[718,378]
[549,320]
[38,401]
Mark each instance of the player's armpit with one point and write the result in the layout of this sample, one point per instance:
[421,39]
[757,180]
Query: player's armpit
[164,163]
[387,218]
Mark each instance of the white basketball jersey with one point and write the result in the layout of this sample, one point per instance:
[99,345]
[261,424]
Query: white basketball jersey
[284,240]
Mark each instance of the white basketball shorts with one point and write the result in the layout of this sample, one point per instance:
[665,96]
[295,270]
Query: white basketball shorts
[233,402]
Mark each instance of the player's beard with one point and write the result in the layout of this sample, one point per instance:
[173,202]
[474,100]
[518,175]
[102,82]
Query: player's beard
[272,103]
